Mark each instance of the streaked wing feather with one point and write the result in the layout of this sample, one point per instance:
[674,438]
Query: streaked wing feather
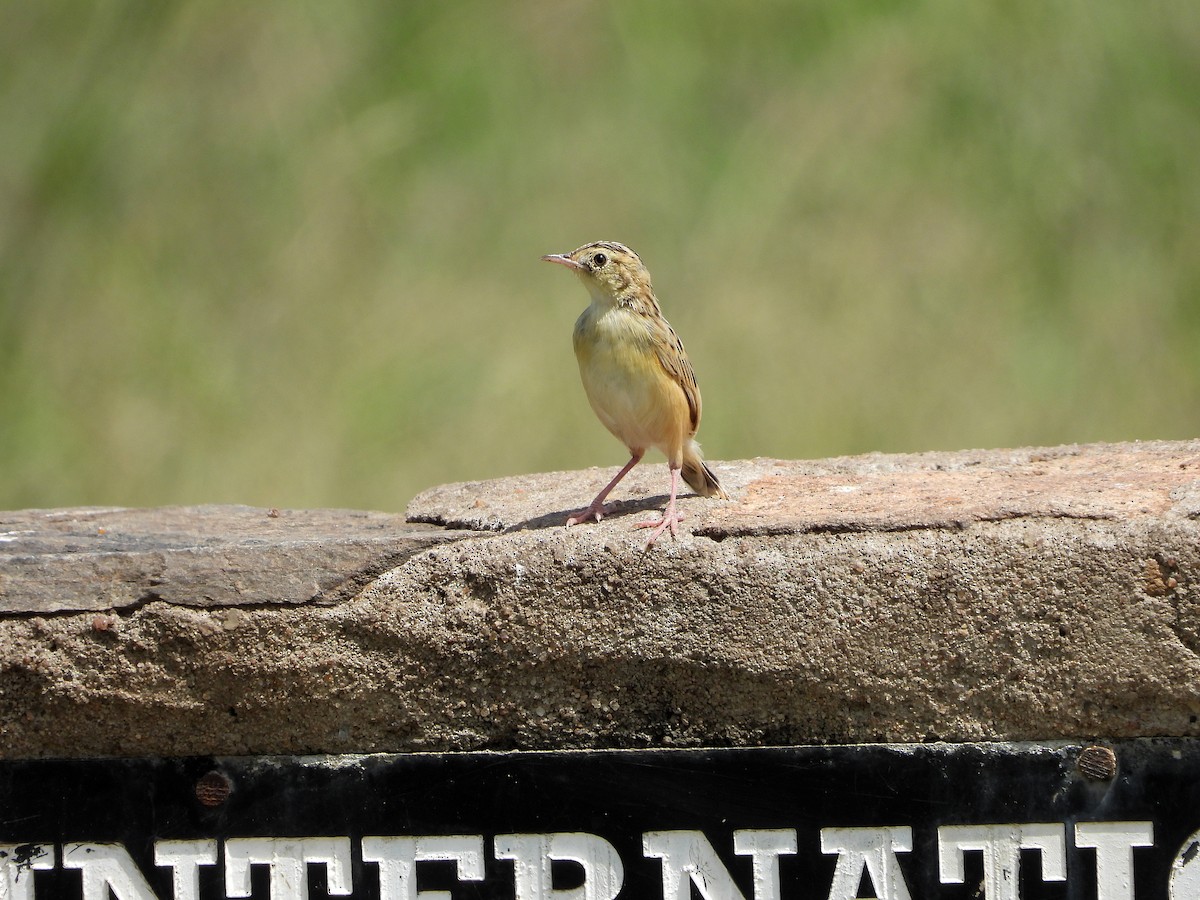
[673,358]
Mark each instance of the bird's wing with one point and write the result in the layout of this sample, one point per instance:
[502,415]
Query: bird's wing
[673,358]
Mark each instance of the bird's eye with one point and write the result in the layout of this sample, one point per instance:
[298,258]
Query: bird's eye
[599,260]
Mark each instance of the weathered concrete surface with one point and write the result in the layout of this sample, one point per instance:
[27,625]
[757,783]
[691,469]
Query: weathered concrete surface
[58,560]
[1026,594]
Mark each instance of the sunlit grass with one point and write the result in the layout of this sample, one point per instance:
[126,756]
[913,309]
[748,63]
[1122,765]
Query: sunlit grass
[288,255]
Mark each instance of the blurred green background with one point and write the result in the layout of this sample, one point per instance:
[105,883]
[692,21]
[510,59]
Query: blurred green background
[287,253]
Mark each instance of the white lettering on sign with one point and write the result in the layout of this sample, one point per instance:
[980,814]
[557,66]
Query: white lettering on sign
[1184,883]
[18,862]
[1114,843]
[875,850]
[1001,846]
[185,859]
[398,857]
[532,855]
[764,848]
[107,867]
[289,859]
[687,859]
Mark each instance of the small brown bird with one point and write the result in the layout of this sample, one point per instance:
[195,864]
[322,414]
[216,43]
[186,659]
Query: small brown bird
[636,374]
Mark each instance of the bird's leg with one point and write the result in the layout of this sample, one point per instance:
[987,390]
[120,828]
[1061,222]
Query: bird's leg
[670,518]
[596,509]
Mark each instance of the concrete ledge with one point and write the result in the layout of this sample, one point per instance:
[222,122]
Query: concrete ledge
[63,560]
[1026,594]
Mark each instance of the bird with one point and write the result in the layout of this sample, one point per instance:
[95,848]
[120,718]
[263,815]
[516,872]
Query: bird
[636,375]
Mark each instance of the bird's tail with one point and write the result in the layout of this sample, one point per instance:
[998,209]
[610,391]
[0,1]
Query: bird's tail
[698,475]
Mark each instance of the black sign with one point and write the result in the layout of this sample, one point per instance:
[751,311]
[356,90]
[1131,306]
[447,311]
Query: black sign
[893,822]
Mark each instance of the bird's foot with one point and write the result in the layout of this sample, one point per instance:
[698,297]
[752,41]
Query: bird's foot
[595,513]
[670,520]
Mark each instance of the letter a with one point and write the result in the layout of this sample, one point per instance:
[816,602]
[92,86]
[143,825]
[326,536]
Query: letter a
[875,850]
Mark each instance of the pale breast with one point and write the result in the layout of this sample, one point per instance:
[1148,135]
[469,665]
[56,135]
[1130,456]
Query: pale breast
[626,384]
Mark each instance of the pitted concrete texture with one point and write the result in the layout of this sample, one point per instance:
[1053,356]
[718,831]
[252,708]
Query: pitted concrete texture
[1025,594]
[58,560]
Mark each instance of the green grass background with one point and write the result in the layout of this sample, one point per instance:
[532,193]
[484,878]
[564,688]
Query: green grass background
[287,253]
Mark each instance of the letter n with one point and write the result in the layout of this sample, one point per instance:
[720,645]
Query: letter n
[107,867]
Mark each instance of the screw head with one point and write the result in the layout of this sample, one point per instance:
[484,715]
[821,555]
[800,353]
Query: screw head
[214,788]
[1097,763]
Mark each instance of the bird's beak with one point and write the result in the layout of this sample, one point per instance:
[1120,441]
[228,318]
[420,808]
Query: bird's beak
[563,260]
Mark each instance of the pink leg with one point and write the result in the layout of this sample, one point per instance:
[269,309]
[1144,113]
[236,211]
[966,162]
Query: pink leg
[670,518]
[596,509]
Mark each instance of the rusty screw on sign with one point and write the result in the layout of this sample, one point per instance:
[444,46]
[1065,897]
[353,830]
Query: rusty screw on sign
[1097,763]
[214,788]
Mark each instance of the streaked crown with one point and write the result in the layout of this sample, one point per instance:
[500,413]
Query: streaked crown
[609,269]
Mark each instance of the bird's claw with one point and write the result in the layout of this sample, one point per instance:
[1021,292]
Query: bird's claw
[595,513]
[668,521]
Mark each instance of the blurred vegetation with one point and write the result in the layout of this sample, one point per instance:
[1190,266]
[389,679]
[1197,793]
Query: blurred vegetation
[287,253]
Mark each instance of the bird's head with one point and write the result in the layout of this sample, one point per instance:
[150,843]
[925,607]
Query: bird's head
[609,271]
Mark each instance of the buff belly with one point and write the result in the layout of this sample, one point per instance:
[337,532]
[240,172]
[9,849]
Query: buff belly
[628,388]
